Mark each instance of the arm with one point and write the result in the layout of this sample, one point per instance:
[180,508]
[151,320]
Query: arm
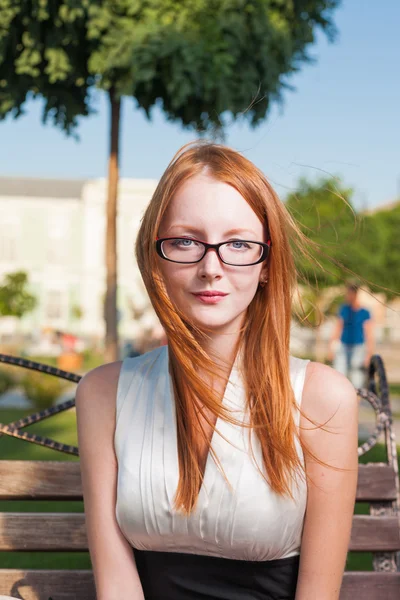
[336,333]
[331,494]
[112,558]
[368,326]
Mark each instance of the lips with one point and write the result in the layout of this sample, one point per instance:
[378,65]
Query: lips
[210,293]
[210,296]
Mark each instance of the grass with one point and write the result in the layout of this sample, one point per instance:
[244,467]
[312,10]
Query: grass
[394,389]
[62,427]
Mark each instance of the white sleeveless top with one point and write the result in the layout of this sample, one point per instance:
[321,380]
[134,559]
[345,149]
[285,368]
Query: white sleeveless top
[244,521]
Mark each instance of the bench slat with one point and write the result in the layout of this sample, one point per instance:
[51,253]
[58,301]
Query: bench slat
[79,585]
[56,480]
[41,479]
[43,531]
[67,531]
[42,584]
[374,534]
[366,585]
[376,482]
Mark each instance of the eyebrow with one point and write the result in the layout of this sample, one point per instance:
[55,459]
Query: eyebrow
[236,231]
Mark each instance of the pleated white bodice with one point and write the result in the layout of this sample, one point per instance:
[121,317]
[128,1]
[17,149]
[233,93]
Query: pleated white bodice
[244,521]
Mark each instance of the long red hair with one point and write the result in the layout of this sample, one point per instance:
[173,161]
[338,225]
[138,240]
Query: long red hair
[263,342]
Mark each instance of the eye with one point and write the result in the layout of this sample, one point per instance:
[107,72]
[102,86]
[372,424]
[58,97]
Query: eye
[239,245]
[182,242]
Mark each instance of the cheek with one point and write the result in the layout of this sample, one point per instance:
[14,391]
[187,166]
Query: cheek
[247,282]
[176,279]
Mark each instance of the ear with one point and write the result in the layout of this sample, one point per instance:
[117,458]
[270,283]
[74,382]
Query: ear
[263,274]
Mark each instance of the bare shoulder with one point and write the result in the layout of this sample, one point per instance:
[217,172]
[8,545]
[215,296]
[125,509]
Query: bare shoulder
[95,404]
[328,394]
[104,375]
[100,380]
[98,387]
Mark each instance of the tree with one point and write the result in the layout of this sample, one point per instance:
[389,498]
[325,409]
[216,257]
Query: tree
[310,310]
[390,249]
[325,214]
[366,245]
[378,250]
[15,299]
[199,60]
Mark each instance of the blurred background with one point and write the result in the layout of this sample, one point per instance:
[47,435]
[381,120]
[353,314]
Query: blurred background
[95,99]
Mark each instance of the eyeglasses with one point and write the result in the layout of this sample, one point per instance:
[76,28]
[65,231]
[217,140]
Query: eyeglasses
[238,253]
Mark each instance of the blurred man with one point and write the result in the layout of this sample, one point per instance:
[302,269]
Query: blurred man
[353,338]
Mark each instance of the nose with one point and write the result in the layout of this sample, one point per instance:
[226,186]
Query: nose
[210,267]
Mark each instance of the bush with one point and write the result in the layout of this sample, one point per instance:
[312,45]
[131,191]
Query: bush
[42,390]
[8,380]
[92,359]
[51,361]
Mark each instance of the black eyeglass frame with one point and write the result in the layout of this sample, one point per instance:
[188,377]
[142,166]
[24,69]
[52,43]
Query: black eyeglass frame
[264,255]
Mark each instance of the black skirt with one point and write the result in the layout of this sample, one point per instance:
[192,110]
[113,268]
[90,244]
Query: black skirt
[177,576]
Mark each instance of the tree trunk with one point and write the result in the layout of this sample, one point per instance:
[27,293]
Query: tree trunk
[110,307]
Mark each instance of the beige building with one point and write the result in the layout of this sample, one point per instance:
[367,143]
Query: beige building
[55,231]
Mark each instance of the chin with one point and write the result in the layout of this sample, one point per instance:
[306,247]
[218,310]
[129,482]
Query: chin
[215,322]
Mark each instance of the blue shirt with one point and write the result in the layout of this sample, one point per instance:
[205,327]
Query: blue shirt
[353,320]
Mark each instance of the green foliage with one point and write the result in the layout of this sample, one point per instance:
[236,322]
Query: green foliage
[367,245]
[326,216]
[41,358]
[198,58]
[92,359]
[41,389]
[188,53]
[315,305]
[380,244]
[76,312]
[15,300]
[7,380]
[44,52]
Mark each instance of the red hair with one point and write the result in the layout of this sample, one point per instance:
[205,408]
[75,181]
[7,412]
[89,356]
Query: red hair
[263,342]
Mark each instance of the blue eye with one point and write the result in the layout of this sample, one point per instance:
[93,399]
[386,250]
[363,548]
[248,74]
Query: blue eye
[182,242]
[238,245]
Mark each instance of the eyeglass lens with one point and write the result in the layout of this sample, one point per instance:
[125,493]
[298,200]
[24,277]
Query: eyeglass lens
[235,252]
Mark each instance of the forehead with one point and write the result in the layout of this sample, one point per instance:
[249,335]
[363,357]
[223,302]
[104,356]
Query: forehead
[208,204]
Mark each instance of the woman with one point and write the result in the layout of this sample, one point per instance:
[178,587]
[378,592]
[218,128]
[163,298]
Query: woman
[226,468]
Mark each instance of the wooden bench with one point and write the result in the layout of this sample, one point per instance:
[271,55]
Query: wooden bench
[377,532]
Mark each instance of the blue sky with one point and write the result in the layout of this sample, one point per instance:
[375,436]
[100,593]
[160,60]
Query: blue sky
[343,119]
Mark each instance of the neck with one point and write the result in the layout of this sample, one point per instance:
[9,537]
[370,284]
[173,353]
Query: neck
[222,350]
[221,346]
